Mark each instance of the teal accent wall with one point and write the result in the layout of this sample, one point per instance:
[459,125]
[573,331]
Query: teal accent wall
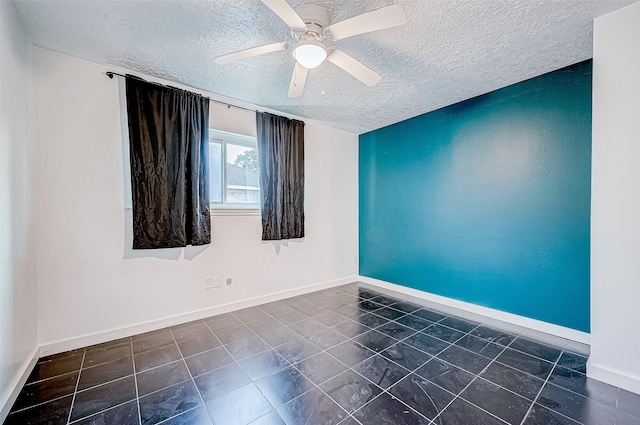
[487,201]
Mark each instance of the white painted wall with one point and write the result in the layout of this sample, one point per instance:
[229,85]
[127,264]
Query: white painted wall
[17,213]
[615,200]
[90,281]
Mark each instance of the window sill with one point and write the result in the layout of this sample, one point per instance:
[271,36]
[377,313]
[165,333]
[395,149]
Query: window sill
[234,212]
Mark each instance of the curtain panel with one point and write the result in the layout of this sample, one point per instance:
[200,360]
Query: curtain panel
[281,159]
[169,149]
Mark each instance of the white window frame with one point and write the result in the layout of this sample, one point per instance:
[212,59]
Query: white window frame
[224,207]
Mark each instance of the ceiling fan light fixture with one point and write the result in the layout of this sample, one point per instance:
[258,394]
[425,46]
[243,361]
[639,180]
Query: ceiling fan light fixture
[310,54]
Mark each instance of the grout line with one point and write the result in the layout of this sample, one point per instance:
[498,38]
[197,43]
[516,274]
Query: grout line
[135,381]
[73,400]
[542,388]
[193,381]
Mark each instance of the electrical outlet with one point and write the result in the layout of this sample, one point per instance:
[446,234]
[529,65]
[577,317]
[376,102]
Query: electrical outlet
[216,282]
[228,281]
[208,282]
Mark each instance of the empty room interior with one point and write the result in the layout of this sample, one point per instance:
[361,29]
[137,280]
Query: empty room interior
[320,212]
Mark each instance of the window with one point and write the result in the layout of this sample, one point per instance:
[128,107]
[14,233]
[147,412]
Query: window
[233,171]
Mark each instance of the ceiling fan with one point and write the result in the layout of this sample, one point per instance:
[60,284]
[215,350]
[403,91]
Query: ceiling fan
[311,25]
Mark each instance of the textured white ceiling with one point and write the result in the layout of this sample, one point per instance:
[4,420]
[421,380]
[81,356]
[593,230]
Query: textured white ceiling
[447,52]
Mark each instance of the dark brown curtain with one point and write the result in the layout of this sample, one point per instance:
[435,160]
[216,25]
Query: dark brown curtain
[169,145]
[281,159]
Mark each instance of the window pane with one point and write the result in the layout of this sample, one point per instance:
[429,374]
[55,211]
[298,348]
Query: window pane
[215,170]
[242,174]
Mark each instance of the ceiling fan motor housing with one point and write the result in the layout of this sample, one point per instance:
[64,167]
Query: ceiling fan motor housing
[315,17]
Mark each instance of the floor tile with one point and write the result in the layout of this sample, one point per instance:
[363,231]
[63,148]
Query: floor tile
[264,325]
[168,402]
[190,347]
[233,334]
[381,371]
[385,410]
[629,402]
[406,356]
[573,361]
[197,416]
[444,333]
[447,376]
[405,306]
[350,390]
[480,346]
[330,318]
[350,328]
[272,418]
[422,395]
[284,386]
[426,343]
[375,341]
[108,352]
[536,349]
[587,387]
[624,418]
[502,403]
[396,330]
[414,322]
[351,353]
[297,350]
[250,314]
[239,407]
[223,321]
[47,390]
[105,372]
[247,347]
[221,381]
[384,300]
[371,320]
[290,317]
[326,338]
[164,376]
[103,397]
[540,415]
[190,330]
[493,335]
[430,315]
[124,414]
[157,357]
[464,359]
[152,340]
[512,379]
[459,324]
[348,421]
[55,412]
[53,366]
[208,361]
[279,336]
[320,367]
[368,306]
[526,363]
[263,364]
[462,412]
[389,313]
[575,406]
[276,307]
[313,407]
[307,327]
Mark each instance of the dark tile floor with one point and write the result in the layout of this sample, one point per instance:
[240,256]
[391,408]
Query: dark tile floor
[347,355]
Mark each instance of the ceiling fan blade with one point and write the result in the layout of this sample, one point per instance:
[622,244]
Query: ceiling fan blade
[286,13]
[249,53]
[354,67]
[299,77]
[386,17]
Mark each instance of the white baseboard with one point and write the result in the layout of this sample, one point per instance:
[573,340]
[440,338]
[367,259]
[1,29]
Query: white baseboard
[100,337]
[526,322]
[11,394]
[612,377]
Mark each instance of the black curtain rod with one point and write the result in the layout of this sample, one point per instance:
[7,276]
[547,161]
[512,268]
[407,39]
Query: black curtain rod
[111,74]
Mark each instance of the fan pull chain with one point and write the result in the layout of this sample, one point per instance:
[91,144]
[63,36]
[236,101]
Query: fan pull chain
[324,73]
